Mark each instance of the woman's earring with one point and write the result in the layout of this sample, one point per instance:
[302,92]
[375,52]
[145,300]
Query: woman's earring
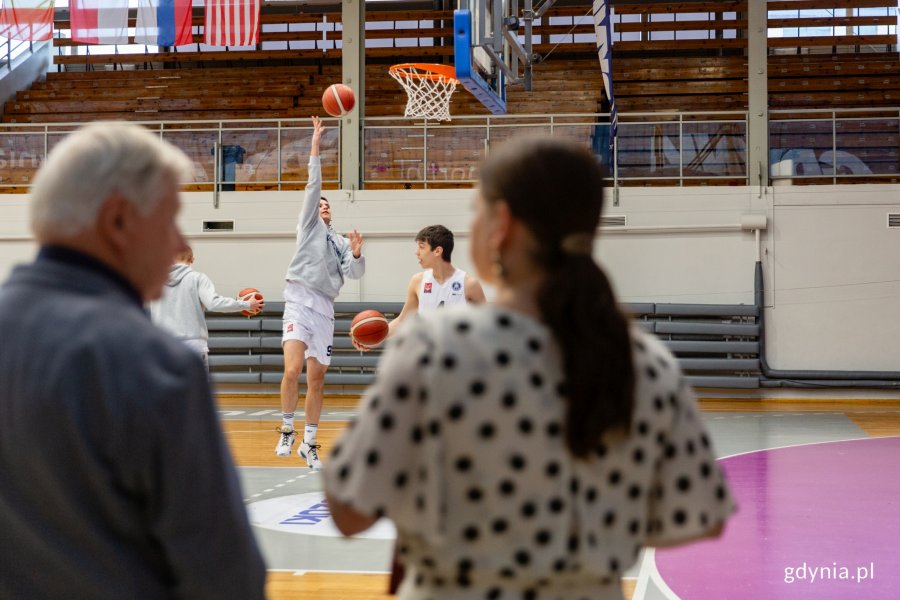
[497,265]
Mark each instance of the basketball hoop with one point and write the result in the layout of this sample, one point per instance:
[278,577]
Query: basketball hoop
[429,88]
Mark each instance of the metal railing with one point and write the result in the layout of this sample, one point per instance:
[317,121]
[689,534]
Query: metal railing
[425,154]
[674,148]
[11,49]
[677,149]
[226,155]
[834,146]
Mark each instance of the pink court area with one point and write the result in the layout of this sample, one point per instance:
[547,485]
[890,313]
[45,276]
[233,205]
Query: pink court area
[815,521]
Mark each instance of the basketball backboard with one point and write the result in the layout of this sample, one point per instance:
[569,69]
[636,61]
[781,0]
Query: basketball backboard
[489,49]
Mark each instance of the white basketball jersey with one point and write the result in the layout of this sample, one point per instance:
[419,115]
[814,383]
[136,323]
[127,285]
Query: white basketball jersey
[434,295]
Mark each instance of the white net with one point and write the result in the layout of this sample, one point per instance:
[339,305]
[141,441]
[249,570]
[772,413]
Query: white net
[429,88]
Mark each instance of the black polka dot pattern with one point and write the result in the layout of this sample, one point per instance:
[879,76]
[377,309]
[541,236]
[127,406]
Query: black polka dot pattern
[462,437]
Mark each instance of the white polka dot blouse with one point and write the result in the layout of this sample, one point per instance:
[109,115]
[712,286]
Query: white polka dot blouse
[460,443]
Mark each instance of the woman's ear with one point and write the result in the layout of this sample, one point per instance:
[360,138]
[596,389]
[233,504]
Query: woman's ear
[502,225]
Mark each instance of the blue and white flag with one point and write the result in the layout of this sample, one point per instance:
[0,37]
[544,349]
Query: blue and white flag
[603,28]
[164,23]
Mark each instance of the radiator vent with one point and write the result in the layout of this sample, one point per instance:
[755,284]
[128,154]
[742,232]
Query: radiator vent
[893,219]
[619,221]
[218,225]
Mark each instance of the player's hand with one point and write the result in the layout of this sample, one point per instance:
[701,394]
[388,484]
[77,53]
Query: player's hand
[318,127]
[256,305]
[358,346]
[356,242]
[318,130]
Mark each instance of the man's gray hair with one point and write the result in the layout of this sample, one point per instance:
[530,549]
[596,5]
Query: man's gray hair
[96,162]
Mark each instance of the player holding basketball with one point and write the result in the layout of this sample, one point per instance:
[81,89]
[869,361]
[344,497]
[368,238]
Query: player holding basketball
[321,262]
[440,284]
[186,295]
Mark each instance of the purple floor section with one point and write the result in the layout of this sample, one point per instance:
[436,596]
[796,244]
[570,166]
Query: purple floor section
[818,521]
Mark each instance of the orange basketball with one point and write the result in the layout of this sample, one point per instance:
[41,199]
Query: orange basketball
[338,100]
[369,328]
[249,294]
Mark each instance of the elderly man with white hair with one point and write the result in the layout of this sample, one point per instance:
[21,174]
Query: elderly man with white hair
[115,479]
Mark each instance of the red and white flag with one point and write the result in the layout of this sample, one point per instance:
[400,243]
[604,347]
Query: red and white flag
[231,23]
[27,20]
[99,21]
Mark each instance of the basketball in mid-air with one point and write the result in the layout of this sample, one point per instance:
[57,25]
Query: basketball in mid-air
[249,294]
[338,100]
[369,328]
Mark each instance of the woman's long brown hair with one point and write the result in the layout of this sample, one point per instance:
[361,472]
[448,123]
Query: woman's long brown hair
[556,189]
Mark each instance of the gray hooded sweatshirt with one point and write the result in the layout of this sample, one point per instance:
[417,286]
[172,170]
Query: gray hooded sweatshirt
[186,295]
[323,258]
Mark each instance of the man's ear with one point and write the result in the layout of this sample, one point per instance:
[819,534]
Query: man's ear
[114,221]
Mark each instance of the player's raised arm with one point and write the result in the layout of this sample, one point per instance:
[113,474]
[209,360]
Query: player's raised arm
[309,214]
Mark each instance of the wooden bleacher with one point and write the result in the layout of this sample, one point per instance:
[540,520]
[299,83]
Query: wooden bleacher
[695,60]
[834,81]
[717,345]
[267,93]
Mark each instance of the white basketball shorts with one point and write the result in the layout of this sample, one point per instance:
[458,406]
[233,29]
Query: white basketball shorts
[313,329]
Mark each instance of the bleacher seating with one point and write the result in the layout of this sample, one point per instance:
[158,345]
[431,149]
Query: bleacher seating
[248,350]
[693,60]
[269,92]
[717,345]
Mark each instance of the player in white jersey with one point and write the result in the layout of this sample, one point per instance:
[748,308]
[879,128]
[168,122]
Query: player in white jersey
[440,284]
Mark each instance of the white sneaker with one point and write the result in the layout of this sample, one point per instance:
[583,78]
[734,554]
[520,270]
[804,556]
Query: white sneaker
[311,454]
[285,441]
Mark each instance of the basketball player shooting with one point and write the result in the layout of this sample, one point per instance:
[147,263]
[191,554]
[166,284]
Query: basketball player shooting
[322,261]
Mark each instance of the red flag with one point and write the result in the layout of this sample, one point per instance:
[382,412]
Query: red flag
[231,23]
[28,20]
[99,21]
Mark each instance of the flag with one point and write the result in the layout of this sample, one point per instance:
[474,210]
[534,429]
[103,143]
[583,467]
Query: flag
[231,23]
[603,28]
[26,20]
[164,23]
[99,21]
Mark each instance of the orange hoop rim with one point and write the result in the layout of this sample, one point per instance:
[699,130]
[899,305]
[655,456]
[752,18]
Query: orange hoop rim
[434,72]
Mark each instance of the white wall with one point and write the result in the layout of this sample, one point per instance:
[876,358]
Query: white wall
[831,264]
[16,243]
[833,278]
[258,252]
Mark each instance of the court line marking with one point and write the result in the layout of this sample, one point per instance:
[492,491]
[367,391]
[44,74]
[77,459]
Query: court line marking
[254,497]
[301,572]
[650,553]
[649,572]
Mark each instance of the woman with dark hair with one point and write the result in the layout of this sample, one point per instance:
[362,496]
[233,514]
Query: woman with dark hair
[529,448]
